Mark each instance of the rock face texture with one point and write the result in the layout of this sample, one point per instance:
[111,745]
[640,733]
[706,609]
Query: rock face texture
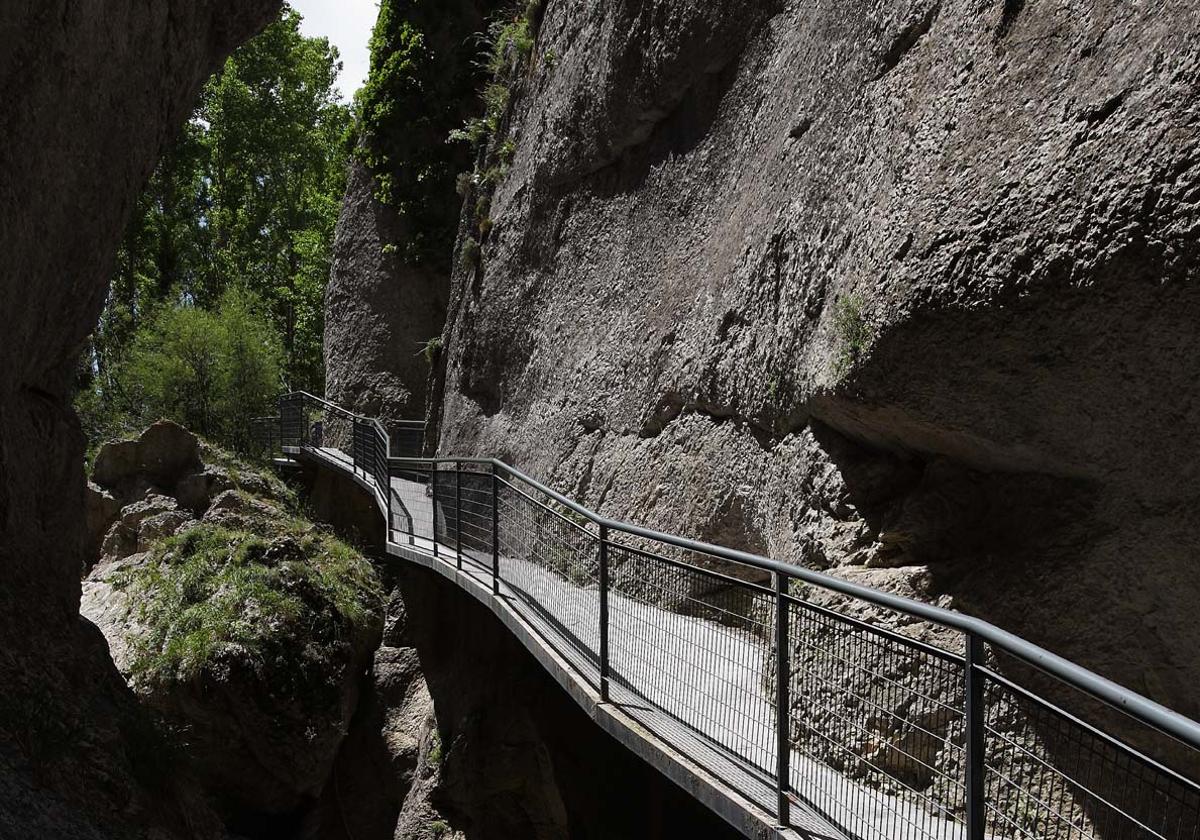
[89,95]
[389,766]
[903,290]
[380,312]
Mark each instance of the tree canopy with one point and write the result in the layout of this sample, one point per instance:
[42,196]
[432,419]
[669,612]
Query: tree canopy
[246,199]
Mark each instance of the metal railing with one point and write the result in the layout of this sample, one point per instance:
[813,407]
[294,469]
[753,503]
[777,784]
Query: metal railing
[836,707]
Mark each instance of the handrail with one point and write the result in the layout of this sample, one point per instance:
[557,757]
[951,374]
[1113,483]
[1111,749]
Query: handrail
[1111,693]
[350,414]
[977,681]
[1142,708]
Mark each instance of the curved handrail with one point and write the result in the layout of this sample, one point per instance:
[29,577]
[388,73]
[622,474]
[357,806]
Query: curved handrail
[346,412]
[976,631]
[1135,705]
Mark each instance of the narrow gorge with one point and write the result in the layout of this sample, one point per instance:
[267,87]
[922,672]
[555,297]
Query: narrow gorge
[904,293]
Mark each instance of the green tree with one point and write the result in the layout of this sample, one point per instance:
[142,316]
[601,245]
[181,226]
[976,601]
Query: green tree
[248,196]
[211,370]
[274,182]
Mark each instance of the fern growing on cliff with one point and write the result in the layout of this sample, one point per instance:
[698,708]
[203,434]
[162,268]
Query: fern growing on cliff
[853,332]
[508,49]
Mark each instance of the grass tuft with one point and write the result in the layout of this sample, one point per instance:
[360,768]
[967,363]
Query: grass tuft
[854,333]
[210,595]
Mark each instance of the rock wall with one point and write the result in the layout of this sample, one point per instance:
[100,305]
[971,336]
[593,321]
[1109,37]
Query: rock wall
[379,311]
[390,283]
[89,96]
[903,290]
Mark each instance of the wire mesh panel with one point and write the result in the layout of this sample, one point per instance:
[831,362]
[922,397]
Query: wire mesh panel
[412,508]
[866,711]
[407,438]
[695,643]
[549,559]
[1051,775]
[291,421]
[877,725]
[265,438]
[473,515]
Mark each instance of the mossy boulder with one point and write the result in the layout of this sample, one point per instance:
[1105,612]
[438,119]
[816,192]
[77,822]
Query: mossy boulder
[248,632]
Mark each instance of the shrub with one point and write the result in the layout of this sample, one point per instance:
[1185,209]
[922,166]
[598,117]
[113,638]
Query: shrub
[853,331]
[211,371]
[431,349]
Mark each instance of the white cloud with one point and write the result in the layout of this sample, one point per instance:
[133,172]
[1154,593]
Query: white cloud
[347,24]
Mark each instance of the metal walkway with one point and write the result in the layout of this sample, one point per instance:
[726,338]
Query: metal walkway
[674,647]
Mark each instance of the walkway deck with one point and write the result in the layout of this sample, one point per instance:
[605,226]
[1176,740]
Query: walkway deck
[672,662]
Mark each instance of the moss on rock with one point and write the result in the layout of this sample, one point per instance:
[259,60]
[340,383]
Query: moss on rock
[267,599]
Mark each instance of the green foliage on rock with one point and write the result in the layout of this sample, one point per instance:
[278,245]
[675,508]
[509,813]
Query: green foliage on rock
[270,601]
[421,85]
[508,50]
[854,333]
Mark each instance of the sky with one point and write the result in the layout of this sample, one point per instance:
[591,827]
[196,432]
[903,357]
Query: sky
[347,24]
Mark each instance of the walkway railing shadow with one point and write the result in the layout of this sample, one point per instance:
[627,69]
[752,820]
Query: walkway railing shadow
[839,709]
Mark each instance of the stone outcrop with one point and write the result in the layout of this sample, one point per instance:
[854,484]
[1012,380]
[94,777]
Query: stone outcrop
[145,489]
[89,96]
[905,291]
[250,653]
[389,766]
[163,453]
[380,312]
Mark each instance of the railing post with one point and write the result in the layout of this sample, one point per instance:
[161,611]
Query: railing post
[604,663]
[783,679]
[975,721]
[433,471]
[387,488]
[495,532]
[355,444]
[458,513]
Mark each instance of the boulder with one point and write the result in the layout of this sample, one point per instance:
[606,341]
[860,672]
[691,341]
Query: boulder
[166,451]
[126,536]
[159,526]
[108,607]
[116,462]
[235,509]
[160,456]
[264,693]
[101,509]
[196,491]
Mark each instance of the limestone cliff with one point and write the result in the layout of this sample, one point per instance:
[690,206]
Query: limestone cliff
[387,293]
[380,311]
[905,290]
[89,95]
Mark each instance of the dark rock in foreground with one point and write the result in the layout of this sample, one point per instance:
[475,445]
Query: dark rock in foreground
[248,631]
[90,95]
